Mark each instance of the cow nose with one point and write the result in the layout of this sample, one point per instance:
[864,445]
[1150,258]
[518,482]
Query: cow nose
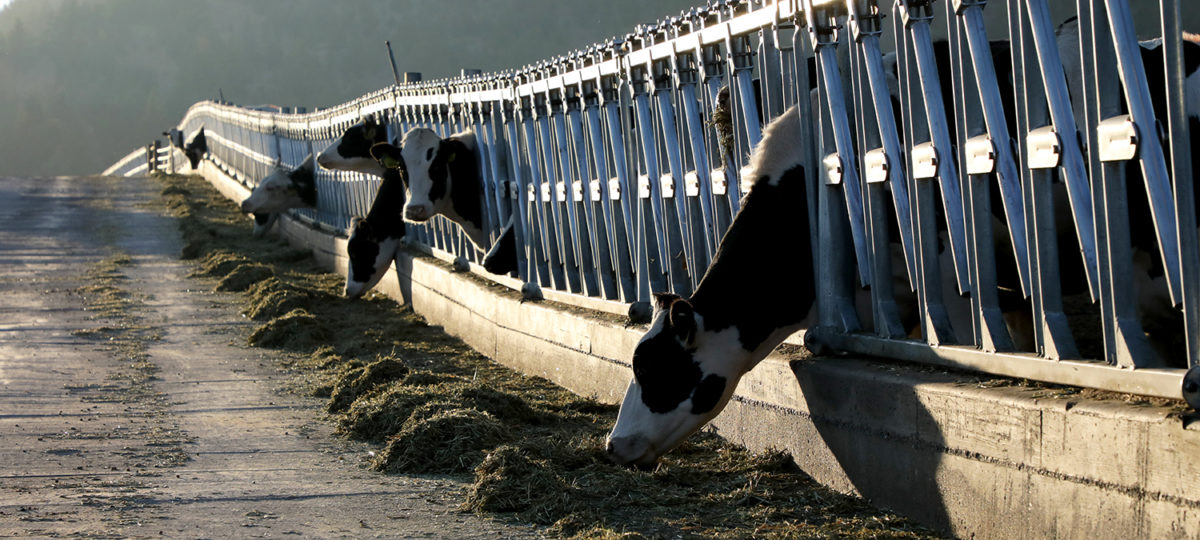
[633,450]
[323,160]
[246,205]
[416,213]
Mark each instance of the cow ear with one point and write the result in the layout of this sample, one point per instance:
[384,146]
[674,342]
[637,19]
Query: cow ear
[369,129]
[387,155]
[447,151]
[683,320]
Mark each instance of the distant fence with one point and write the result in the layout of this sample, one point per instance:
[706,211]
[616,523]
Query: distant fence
[623,172]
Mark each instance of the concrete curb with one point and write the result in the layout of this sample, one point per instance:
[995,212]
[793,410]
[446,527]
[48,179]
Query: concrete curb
[992,462]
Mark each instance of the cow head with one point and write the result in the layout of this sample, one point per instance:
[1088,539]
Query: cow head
[683,376]
[196,149]
[283,189]
[352,151]
[430,165]
[370,253]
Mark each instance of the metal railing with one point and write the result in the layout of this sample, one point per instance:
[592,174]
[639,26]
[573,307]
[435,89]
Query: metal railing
[621,162]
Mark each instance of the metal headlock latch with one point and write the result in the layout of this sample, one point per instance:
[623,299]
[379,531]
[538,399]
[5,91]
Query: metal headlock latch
[594,190]
[667,183]
[614,189]
[643,189]
[876,163]
[1045,148]
[719,182]
[1118,138]
[691,184]
[833,169]
[981,155]
[560,191]
[925,161]
[577,191]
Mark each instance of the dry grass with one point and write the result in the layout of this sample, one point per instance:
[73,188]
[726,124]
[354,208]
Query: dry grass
[534,451]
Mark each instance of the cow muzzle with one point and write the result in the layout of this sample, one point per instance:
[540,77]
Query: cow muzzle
[417,212]
[634,451]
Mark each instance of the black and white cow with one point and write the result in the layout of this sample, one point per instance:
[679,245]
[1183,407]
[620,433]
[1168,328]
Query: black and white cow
[196,148]
[374,240]
[279,191]
[352,151]
[753,295]
[444,177]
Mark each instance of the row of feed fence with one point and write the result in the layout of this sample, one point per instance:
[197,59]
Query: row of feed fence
[938,163]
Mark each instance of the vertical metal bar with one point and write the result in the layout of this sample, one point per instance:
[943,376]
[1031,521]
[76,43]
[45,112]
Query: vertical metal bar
[575,168]
[825,44]
[1124,340]
[626,197]
[554,151]
[886,317]
[524,236]
[917,25]
[1150,152]
[618,243]
[935,323]
[1009,178]
[988,325]
[695,130]
[549,265]
[1180,126]
[678,261]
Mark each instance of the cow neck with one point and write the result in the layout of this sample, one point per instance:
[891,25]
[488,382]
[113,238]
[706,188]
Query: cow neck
[386,209]
[471,194]
[755,282]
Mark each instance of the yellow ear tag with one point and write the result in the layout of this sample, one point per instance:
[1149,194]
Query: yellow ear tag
[390,162]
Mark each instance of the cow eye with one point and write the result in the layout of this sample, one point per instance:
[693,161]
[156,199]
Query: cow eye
[429,154]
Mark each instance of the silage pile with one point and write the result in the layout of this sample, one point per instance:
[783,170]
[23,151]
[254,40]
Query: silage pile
[533,450]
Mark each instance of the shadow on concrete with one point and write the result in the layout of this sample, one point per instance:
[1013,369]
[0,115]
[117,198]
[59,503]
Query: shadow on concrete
[885,442]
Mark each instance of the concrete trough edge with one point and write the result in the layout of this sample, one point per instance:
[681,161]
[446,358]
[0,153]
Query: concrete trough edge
[963,457]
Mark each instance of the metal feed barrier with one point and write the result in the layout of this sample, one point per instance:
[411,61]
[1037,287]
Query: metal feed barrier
[621,166]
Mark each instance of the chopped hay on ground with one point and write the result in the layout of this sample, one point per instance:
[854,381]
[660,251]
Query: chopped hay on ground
[271,298]
[436,439]
[382,414]
[509,480]
[243,276]
[296,330]
[539,448]
[360,381]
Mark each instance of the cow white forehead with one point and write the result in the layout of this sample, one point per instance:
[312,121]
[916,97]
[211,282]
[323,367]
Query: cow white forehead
[417,142]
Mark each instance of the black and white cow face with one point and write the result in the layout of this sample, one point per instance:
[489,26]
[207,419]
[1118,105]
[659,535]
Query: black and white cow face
[370,254]
[682,379]
[352,151]
[283,189]
[431,164]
